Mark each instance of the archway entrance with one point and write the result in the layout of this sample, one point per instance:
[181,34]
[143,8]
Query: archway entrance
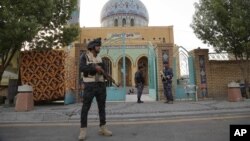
[128,72]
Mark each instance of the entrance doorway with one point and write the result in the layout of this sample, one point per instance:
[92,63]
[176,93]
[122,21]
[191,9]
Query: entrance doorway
[128,71]
[144,61]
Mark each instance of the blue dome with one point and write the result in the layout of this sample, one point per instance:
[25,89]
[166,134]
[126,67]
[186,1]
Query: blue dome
[124,7]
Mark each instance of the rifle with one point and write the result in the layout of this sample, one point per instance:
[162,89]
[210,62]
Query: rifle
[110,78]
[163,76]
[107,75]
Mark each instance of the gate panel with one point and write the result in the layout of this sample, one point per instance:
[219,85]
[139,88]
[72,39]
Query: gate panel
[181,86]
[115,93]
[183,82]
[152,73]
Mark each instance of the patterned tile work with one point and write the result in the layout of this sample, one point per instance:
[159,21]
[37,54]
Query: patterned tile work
[45,72]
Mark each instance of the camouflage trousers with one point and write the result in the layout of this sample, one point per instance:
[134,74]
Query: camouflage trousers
[91,90]
[168,91]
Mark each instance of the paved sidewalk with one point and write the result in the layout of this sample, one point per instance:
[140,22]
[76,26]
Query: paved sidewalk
[124,111]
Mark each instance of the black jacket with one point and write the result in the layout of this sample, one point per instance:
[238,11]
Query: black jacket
[139,77]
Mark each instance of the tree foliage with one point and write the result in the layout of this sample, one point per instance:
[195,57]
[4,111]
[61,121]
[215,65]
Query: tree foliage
[40,24]
[224,24]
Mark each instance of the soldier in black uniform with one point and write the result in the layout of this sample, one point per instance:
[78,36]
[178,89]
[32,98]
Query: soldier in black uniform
[139,82]
[167,75]
[92,67]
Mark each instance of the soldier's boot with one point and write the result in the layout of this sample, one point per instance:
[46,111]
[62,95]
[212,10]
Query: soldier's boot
[170,102]
[104,131]
[139,100]
[83,133]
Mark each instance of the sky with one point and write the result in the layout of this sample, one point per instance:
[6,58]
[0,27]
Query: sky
[176,13]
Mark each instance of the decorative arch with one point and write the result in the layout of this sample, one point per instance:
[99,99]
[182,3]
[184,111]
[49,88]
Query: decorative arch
[109,57]
[121,56]
[116,22]
[140,56]
[132,22]
[128,71]
[124,22]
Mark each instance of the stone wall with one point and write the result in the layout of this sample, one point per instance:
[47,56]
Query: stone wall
[217,73]
[222,73]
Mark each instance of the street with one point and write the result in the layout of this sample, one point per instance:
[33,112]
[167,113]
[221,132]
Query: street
[201,128]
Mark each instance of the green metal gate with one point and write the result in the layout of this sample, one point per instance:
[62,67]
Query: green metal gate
[185,88]
[152,73]
[116,93]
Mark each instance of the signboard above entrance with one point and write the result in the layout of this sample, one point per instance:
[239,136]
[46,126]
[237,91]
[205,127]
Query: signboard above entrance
[127,35]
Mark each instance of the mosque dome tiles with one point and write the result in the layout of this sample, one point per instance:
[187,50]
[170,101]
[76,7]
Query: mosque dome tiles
[120,10]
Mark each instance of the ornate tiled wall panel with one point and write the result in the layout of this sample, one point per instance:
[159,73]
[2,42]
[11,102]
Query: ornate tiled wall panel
[70,74]
[45,72]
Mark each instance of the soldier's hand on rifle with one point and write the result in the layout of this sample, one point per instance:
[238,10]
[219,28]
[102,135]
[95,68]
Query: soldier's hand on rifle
[99,69]
[169,77]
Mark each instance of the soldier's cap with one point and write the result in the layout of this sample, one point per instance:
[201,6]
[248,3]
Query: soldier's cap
[94,43]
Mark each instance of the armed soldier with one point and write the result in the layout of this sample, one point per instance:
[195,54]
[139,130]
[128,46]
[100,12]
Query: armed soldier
[167,75]
[93,68]
[139,82]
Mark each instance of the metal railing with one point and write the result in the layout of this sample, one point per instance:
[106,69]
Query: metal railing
[221,56]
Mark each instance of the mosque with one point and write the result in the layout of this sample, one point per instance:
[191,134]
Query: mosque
[127,42]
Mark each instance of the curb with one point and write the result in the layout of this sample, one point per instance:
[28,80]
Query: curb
[55,117]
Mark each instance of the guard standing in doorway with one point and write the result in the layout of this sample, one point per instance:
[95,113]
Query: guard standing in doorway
[167,75]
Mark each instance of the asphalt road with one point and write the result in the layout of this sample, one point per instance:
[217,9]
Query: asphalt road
[202,128]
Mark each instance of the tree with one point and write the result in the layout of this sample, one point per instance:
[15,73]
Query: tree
[224,24]
[40,24]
